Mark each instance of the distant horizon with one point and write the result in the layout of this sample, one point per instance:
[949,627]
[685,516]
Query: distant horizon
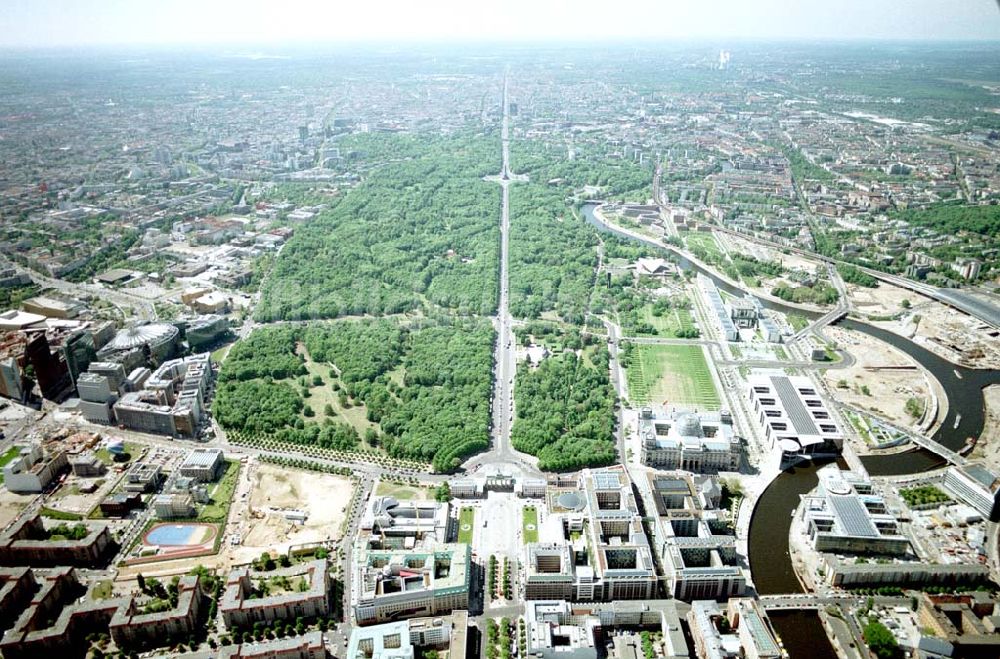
[57,24]
[265,48]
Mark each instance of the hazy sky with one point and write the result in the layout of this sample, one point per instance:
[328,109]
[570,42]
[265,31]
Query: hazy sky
[45,23]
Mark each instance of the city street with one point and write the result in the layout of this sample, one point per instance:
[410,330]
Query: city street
[502,457]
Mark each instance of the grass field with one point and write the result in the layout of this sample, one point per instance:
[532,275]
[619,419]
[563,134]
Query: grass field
[671,322]
[529,523]
[798,322]
[323,394]
[103,590]
[130,449]
[466,525]
[222,495]
[706,241]
[671,375]
[402,492]
[219,354]
[59,514]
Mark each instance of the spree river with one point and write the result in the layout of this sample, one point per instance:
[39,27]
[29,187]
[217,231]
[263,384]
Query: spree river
[770,563]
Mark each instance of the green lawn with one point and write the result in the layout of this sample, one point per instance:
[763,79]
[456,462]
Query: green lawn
[704,241]
[671,375]
[219,354]
[103,590]
[529,523]
[222,495]
[323,394]
[402,492]
[798,322]
[466,525]
[105,457]
[670,323]
[11,453]
[52,513]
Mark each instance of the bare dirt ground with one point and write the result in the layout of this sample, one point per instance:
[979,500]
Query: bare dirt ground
[11,505]
[763,253]
[884,300]
[988,446]
[791,262]
[71,499]
[887,389]
[323,497]
[951,334]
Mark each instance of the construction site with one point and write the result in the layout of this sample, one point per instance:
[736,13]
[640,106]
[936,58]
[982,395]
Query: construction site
[882,380]
[284,509]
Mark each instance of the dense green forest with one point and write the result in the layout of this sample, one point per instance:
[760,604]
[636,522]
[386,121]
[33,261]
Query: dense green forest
[263,406]
[620,292]
[266,353]
[553,255]
[952,219]
[426,385]
[819,293]
[419,229]
[566,411]
[361,351]
[13,296]
[553,251]
[854,275]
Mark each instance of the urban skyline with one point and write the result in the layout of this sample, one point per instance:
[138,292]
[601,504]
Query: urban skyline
[57,23]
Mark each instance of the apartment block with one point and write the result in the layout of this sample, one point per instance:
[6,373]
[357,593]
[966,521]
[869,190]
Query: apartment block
[746,631]
[52,624]
[32,470]
[131,628]
[27,542]
[307,646]
[17,586]
[557,629]
[239,609]
[55,616]
[966,621]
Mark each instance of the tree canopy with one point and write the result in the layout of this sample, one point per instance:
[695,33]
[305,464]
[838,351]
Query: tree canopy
[418,229]
[426,385]
[566,411]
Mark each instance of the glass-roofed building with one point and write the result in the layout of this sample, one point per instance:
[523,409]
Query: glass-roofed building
[846,515]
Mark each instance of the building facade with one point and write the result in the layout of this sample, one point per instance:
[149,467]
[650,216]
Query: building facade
[699,442]
[794,419]
[400,584]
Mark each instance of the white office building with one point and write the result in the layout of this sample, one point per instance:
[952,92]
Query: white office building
[844,514]
[977,486]
[794,418]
